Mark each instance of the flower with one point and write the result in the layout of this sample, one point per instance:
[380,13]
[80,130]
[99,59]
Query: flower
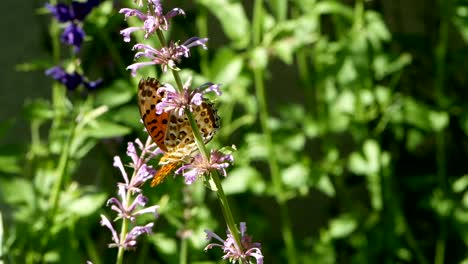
[199,166]
[234,252]
[143,172]
[166,56]
[71,80]
[127,205]
[186,99]
[74,13]
[77,11]
[153,20]
[73,35]
[129,211]
[129,240]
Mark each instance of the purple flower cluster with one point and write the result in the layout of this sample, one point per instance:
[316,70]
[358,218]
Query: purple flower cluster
[186,99]
[126,205]
[72,80]
[199,166]
[166,56]
[72,14]
[234,252]
[154,20]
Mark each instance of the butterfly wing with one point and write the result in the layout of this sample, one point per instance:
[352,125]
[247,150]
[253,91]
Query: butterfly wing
[163,172]
[155,124]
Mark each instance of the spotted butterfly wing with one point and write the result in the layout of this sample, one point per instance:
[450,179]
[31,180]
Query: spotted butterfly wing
[172,133]
[155,124]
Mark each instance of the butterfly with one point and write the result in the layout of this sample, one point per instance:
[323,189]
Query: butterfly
[171,132]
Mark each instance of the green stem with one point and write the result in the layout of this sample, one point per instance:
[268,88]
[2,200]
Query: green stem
[272,161]
[202,25]
[183,251]
[124,228]
[274,168]
[61,171]
[203,150]
[440,59]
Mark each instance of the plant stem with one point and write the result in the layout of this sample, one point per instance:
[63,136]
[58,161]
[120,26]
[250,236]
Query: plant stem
[272,161]
[183,251]
[125,223]
[203,150]
[440,58]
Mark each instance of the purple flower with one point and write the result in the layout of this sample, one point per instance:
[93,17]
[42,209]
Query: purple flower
[142,171]
[129,211]
[199,166]
[186,99]
[234,252]
[128,205]
[73,35]
[76,11]
[129,239]
[153,20]
[166,56]
[71,80]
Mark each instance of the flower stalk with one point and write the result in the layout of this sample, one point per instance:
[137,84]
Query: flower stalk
[272,161]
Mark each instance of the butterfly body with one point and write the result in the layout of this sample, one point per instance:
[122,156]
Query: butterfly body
[171,132]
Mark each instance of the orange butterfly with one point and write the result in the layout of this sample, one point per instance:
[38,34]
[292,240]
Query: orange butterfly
[171,132]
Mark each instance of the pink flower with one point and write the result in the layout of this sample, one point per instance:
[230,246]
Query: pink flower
[245,252]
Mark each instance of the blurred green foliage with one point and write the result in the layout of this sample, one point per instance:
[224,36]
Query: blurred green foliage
[367,126]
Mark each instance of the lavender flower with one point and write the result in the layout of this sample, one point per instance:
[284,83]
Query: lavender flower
[153,20]
[73,35]
[129,211]
[186,99]
[245,252]
[166,56]
[71,80]
[130,239]
[199,166]
[127,206]
[73,14]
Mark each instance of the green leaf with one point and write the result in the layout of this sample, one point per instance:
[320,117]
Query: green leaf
[86,205]
[105,129]
[325,185]
[295,176]
[38,109]
[233,19]
[342,227]
[258,58]
[439,120]
[369,161]
[460,184]
[9,164]
[128,115]
[226,66]
[118,93]
[241,179]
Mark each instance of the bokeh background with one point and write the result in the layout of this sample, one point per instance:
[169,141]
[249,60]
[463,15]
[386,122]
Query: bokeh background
[366,109]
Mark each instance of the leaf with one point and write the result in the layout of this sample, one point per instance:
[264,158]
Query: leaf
[38,109]
[342,227]
[86,205]
[439,120]
[226,66]
[325,185]
[295,176]
[9,164]
[460,184]
[241,179]
[232,18]
[118,93]
[105,129]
